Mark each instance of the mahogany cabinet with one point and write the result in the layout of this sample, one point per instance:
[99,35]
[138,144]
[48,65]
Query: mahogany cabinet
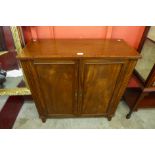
[77,78]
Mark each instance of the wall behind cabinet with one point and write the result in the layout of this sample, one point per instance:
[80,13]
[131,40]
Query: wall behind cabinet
[131,34]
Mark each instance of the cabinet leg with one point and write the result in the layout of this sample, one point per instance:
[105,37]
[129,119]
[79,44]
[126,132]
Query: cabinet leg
[129,115]
[43,119]
[136,109]
[109,118]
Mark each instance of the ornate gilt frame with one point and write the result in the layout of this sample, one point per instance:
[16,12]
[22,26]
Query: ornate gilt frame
[18,45]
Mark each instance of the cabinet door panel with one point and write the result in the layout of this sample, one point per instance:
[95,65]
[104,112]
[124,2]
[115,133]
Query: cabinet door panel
[98,82]
[57,80]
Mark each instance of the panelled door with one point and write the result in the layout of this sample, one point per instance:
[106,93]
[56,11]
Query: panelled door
[98,80]
[58,85]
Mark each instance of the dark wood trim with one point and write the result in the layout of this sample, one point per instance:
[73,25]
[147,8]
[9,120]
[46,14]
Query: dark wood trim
[140,78]
[147,28]
[134,107]
[151,78]
[151,40]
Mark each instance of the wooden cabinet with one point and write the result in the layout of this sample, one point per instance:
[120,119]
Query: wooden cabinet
[73,78]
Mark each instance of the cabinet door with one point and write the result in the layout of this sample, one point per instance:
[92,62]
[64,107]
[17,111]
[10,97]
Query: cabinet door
[57,80]
[98,82]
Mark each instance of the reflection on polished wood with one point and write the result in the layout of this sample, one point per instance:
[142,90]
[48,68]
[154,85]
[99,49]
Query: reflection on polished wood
[68,48]
[15,91]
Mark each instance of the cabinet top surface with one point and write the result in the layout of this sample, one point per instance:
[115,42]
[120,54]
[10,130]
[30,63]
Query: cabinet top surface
[74,48]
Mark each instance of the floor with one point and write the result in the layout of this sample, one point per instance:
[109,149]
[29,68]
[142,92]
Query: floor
[28,118]
[151,33]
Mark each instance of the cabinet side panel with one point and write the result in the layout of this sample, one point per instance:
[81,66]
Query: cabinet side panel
[121,86]
[32,80]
